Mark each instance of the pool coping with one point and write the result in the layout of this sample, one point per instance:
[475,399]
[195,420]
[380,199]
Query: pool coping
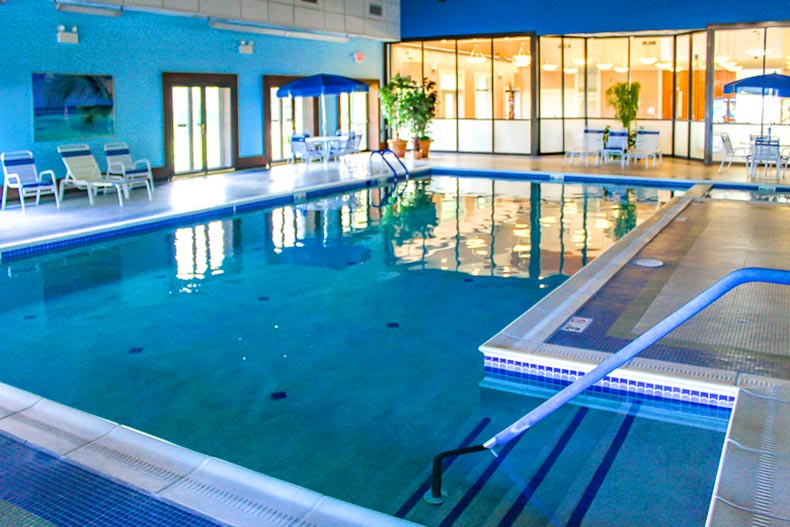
[138,459]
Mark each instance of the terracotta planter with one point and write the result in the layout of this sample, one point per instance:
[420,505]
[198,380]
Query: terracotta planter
[397,146]
[425,148]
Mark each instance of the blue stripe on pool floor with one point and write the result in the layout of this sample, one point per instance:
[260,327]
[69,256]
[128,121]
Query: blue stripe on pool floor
[523,498]
[603,469]
[69,496]
[422,489]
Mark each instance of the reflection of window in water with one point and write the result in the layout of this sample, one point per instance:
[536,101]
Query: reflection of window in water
[200,250]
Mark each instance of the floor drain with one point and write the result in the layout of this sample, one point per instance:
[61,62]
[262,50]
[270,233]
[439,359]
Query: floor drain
[648,262]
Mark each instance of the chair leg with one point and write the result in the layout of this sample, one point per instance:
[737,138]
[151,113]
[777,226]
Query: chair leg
[5,189]
[22,199]
[121,193]
[149,189]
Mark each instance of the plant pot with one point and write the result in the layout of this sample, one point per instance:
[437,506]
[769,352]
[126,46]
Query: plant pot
[425,148]
[397,146]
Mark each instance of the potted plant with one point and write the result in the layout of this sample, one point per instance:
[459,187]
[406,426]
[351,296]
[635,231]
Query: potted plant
[422,108]
[395,107]
[624,98]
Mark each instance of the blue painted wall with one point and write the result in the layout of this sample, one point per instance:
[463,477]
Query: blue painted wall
[136,49]
[431,18]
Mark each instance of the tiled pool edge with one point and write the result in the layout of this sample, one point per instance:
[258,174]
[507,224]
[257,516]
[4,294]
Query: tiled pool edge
[192,481]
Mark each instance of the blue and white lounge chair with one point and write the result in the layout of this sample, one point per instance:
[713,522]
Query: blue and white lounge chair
[20,173]
[646,147]
[83,172]
[590,145]
[120,163]
[616,146]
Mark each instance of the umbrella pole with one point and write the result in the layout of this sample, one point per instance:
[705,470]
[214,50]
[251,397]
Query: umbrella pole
[323,114]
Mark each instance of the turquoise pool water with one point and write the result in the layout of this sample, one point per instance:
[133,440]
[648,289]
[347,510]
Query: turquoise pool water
[334,344]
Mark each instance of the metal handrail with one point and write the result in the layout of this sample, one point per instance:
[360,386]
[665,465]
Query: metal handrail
[382,153]
[648,338]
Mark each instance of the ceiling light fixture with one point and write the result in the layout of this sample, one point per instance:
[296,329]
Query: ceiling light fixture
[648,58]
[476,57]
[604,66]
[88,8]
[570,70]
[522,59]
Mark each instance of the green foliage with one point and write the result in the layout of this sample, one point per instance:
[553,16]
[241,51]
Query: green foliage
[394,98]
[421,103]
[624,98]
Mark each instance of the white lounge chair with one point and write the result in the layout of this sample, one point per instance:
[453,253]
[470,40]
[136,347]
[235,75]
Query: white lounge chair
[766,151]
[120,163]
[646,147]
[732,153]
[19,169]
[305,150]
[591,144]
[616,146]
[83,172]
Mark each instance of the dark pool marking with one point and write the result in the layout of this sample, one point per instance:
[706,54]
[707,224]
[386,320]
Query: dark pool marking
[468,280]
[160,276]
[263,298]
[603,469]
[276,396]
[30,317]
[135,350]
[526,494]
[415,498]
[393,325]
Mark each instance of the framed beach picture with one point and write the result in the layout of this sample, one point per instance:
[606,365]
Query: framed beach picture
[70,107]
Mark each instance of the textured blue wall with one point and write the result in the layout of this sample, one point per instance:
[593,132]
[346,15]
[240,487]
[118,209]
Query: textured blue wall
[430,18]
[136,49]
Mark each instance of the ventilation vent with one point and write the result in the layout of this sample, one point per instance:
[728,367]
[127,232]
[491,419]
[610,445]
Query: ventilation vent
[310,1]
[376,10]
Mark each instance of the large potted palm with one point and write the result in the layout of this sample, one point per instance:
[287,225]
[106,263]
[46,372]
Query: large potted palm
[624,98]
[395,106]
[422,108]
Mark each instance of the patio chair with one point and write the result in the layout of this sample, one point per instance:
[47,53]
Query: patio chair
[305,150]
[19,169]
[616,146]
[766,152]
[345,145]
[120,163]
[591,144]
[83,172]
[732,153]
[646,147]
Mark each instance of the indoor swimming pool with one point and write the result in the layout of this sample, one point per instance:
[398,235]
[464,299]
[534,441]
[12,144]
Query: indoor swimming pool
[333,344]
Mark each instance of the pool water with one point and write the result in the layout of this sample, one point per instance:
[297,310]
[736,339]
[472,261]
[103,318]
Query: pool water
[333,344]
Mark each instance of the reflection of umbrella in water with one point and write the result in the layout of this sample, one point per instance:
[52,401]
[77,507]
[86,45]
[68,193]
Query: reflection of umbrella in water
[317,253]
[321,85]
[772,84]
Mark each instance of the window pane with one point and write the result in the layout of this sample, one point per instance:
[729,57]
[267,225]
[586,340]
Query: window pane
[550,77]
[697,67]
[512,61]
[655,97]
[475,97]
[573,75]
[682,91]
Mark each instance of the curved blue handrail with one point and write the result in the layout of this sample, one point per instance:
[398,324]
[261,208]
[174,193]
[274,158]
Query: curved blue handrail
[382,154]
[648,338]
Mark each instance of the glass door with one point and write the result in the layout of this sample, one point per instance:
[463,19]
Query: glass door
[288,117]
[354,115]
[200,117]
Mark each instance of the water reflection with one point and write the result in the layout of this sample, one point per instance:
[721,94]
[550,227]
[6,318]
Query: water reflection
[540,231]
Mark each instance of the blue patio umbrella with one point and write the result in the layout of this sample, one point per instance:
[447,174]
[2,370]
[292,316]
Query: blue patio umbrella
[319,86]
[771,84]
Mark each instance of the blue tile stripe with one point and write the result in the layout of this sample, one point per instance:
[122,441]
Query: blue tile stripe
[603,469]
[526,494]
[518,371]
[426,485]
[69,496]
[478,485]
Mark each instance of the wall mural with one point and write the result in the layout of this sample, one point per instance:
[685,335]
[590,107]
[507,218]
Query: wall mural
[70,107]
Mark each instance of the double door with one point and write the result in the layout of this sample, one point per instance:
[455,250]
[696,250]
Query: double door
[200,123]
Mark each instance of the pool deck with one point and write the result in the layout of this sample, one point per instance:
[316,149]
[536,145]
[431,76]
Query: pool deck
[740,344]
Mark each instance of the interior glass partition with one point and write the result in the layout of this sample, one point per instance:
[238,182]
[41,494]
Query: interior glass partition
[668,60]
[475,95]
[551,96]
[512,61]
[440,67]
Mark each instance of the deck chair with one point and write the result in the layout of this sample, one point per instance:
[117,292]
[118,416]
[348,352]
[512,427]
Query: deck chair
[646,147]
[120,163]
[732,153]
[766,152]
[19,169]
[616,146]
[591,144]
[83,172]
[304,150]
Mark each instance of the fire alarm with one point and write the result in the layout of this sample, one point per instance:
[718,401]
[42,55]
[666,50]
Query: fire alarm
[358,56]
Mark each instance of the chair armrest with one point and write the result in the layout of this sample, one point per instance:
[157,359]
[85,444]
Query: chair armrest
[49,173]
[115,168]
[143,162]
[12,180]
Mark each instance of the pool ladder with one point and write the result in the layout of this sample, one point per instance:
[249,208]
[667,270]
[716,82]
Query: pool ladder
[681,315]
[383,155]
